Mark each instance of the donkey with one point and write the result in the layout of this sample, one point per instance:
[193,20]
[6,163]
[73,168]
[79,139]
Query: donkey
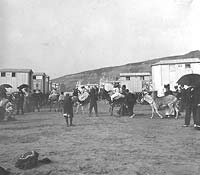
[156,103]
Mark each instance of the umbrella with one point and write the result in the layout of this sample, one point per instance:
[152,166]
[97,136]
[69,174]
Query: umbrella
[190,80]
[23,86]
[6,86]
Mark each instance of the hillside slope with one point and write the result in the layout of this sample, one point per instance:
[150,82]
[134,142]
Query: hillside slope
[93,76]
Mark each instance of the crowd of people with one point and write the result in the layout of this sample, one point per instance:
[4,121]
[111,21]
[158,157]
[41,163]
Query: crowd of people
[20,102]
[26,101]
[189,102]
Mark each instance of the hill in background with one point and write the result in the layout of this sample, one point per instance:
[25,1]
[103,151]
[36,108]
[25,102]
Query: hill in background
[112,73]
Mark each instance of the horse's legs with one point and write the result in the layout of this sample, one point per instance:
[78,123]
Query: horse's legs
[156,110]
[50,107]
[82,109]
[77,108]
[111,109]
[152,111]
[176,111]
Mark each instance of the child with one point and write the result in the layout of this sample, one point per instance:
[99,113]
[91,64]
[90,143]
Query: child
[68,110]
[10,111]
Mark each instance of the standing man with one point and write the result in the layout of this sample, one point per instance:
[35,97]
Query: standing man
[36,101]
[130,100]
[93,102]
[20,102]
[190,107]
[196,106]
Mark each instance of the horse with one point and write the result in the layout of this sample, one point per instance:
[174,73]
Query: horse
[80,100]
[128,101]
[158,103]
[53,102]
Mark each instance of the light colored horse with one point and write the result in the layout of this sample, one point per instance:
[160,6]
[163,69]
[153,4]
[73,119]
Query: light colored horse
[169,101]
[82,100]
[53,102]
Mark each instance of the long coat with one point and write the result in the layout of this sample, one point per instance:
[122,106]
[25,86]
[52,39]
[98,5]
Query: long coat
[68,105]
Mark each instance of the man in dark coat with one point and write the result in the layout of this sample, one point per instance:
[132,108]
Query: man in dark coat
[20,102]
[93,102]
[36,101]
[68,110]
[130,102]
[190,105]
[196,106]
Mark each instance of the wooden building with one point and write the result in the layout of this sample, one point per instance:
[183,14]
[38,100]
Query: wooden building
[135,82]
[39,81]
[169,71]
[16,77]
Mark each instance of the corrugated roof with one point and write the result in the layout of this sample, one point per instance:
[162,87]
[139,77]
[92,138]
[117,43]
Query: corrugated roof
[135,74]
[16,70]
[178,61]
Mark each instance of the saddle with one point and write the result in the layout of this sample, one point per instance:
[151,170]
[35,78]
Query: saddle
[119,96]
[83,97]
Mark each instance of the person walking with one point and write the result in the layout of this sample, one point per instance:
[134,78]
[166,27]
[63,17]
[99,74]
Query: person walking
[93,102]
[68,110]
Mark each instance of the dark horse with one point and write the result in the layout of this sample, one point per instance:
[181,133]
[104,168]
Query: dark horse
[127,102]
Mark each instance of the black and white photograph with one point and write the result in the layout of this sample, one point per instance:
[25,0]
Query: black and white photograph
[99,87]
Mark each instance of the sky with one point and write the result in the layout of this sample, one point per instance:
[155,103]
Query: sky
[69,36]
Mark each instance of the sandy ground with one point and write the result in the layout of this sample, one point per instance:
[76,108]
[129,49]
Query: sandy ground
[102,145]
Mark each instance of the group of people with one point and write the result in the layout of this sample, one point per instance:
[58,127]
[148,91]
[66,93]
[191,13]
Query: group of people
[68,102]
[189,97]
[19,102]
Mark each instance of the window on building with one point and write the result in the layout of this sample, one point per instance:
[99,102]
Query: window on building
[179,65]
[142,78]
[187,65]
[34,77]
[128,77]
[3,74]
[13,74]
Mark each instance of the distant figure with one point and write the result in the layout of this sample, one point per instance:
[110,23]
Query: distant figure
[3,102]
[36,101]
[9,111]
[167,90]
[60,101]
[68,110]
[130,101]
[190,106]
[197,106]
[20,102]
[123,108]
[93,101]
